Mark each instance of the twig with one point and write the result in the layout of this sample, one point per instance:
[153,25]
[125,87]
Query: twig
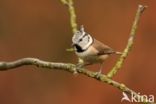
[126,51]
[65,2]
[72,13]
[66,67]
[73,22]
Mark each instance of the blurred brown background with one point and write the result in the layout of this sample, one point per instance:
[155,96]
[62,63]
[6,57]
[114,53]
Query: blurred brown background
[41,28]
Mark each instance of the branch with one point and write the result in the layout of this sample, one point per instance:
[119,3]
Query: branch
[73,22]
[66,67]
[34,61]
[128,48]
[72,13]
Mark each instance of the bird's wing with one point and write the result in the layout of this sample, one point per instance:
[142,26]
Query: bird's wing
[102,48]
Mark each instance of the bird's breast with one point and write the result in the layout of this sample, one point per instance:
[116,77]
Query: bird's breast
[90,55]
[91,51]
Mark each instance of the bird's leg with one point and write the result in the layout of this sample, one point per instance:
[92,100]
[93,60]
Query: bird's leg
[81,65]
[100,70]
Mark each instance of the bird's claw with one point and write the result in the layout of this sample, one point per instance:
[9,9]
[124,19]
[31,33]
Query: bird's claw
[98,74]
[79,66]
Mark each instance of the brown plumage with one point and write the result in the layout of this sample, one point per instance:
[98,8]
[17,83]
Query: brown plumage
[102,48]
[90,50]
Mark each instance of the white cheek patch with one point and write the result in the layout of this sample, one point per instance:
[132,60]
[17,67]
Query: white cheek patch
[82,39]
[77,36]
[88,42]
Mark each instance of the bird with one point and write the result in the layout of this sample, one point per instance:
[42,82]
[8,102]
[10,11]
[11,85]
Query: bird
[90,50]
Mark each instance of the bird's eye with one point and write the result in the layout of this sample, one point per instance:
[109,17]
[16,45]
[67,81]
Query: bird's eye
[80,40]
[88,39]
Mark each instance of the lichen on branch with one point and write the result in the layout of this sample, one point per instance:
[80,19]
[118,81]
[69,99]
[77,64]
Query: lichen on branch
[71,10]
[128,48]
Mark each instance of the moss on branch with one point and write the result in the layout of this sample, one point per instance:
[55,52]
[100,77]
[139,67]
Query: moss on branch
[128,48]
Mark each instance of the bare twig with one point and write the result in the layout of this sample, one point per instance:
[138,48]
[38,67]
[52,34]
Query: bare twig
[71,10]
[126,51]
[66,67]
[73,22]
[65,2]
